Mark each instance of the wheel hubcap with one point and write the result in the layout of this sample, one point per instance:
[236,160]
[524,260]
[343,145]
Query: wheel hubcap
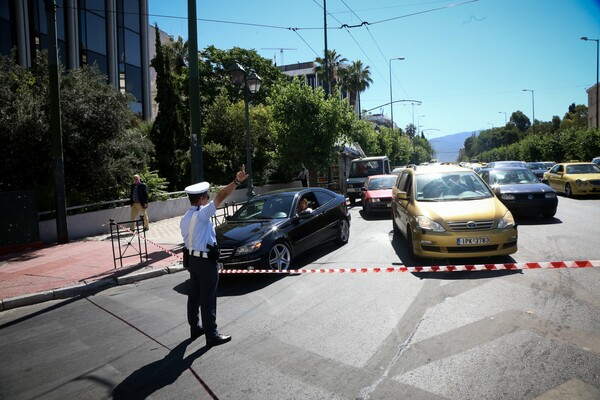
[344,230]
[279,257]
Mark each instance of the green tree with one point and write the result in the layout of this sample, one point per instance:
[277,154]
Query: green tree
[364,135]
[170,129]
[225,140]
[214,75]
[309,126]
[520,121]
[396,146]
[103,142]
[576,117]
[334,65]
[355,79]
[411,130]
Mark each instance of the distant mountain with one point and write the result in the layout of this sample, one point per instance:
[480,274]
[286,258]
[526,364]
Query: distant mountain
[448,147]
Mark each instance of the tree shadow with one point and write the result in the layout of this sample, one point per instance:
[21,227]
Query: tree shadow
[159,374]
[536,220]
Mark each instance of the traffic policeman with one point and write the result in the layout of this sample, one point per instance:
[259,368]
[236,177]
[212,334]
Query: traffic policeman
[201,254]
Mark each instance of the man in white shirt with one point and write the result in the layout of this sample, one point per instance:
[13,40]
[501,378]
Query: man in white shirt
[200,258]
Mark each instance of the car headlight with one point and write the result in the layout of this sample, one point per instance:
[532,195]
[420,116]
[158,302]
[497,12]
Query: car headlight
[550,195]
[428,224]
[248,248]
[507,196]
[506,221]
[375,200]
[579,182]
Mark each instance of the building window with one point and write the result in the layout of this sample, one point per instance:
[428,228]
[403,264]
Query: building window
[130,50]
[92,31]
[7,28]
[38,28]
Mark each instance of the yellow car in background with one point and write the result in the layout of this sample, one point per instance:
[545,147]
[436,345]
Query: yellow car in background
[447,211]
[574,179]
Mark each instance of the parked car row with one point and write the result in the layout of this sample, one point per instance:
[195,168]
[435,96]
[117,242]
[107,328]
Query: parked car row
[443,211]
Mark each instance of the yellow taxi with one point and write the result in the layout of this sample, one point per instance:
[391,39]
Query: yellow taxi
[574,178]
[447,211]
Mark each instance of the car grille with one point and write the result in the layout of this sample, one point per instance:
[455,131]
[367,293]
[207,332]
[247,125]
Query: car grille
[525,196]
[595,182]
[226,252]
[469,226]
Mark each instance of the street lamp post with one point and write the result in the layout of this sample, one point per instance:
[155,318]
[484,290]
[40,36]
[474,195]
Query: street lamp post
[391,99]
[597,88]
[251,84]
[532,107]
[419,123]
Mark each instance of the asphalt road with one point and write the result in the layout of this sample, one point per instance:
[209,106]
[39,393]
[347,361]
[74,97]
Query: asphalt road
[530,334]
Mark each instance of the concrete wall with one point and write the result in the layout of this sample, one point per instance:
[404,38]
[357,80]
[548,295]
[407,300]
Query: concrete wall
[98,222]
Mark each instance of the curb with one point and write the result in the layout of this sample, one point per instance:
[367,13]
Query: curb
[85,288]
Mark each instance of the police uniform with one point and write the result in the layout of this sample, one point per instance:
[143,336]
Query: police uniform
[199,237]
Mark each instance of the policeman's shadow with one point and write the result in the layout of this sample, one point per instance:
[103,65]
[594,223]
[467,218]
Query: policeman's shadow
[158,374]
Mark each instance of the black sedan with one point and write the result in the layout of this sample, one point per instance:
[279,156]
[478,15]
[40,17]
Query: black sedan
[521,191]
[272,228]
[538,169]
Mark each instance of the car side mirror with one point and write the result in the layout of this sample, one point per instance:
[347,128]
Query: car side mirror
[402,196]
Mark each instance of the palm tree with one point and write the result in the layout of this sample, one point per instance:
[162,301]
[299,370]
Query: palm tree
[355,79]
[334,61]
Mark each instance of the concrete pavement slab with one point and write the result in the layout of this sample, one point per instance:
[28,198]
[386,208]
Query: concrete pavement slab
[83,266]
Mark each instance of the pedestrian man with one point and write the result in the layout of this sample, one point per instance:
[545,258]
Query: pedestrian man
[138,200]
[201,254]
[303,176]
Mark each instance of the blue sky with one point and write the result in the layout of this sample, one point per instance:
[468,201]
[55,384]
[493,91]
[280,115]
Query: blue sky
[467,62]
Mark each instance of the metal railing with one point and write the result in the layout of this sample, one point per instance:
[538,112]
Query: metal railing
[101,205]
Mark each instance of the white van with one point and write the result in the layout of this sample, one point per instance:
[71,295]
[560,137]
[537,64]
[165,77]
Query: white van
[360,169]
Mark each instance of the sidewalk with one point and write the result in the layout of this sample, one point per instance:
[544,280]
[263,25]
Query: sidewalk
[85,266]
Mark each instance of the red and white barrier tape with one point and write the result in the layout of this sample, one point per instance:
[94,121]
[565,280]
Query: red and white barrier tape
[430,268]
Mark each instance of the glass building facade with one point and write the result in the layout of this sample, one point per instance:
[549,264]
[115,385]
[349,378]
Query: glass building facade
[112,34]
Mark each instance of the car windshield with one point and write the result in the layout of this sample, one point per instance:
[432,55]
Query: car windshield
[536,166]
[583,169]
[445,186]
[274,207]
[512,177]
[360,169]
[381,183]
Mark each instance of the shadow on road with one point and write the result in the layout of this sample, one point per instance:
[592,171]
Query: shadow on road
[143,382]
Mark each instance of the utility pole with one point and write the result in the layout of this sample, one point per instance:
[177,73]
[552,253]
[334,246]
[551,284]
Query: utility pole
[326,83]
[62,232]
[196,138]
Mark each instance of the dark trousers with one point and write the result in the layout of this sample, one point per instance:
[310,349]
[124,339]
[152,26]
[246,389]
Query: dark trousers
[202,294]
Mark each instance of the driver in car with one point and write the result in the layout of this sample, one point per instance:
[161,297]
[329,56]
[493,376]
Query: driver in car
[303,207]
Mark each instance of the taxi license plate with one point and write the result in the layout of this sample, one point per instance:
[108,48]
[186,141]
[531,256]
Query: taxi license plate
[475,240]
[389,205]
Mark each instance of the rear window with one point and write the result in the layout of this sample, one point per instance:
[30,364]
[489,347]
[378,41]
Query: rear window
[366,168]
